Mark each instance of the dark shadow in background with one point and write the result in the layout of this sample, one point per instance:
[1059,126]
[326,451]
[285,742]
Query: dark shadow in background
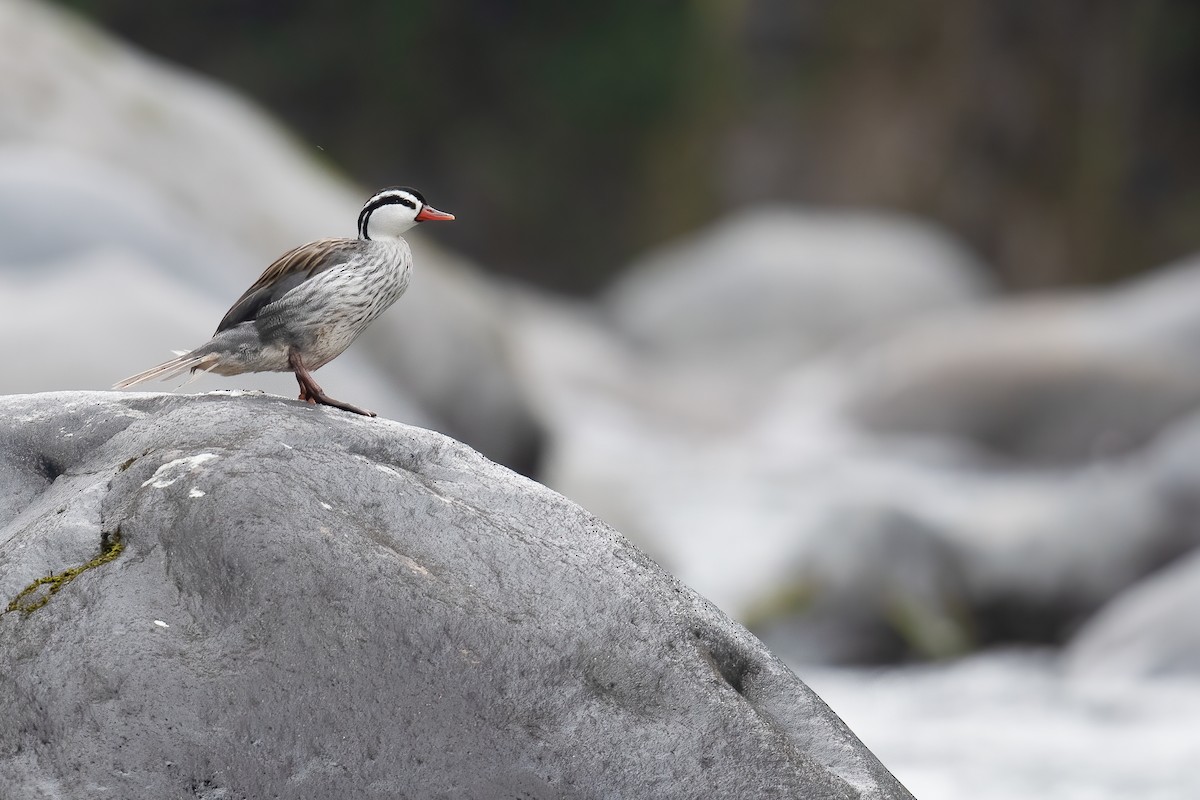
[1058,138]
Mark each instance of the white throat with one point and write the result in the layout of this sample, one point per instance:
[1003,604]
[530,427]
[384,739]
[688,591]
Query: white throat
[390,221]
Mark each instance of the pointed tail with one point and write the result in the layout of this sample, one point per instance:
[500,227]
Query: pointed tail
[169,369]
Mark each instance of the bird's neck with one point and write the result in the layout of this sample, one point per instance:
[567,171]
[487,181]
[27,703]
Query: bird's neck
[390,232]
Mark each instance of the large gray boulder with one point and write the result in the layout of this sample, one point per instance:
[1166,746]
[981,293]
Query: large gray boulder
[245,597]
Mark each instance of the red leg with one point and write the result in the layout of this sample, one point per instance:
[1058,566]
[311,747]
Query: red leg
[311,393]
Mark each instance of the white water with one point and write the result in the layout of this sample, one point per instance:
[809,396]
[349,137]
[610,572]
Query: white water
[1011,726]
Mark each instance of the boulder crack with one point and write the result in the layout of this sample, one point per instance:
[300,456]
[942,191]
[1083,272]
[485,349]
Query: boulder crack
[38,593]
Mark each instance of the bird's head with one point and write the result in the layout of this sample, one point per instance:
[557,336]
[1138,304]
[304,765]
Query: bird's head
[393,211]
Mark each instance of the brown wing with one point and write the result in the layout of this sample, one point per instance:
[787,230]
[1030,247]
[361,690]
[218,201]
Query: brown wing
[289,271]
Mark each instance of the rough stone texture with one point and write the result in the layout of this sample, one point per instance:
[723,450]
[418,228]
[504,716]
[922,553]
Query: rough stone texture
[315,605]
[1148,630]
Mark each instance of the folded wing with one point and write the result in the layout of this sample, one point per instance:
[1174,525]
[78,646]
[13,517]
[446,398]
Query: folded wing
[286,273]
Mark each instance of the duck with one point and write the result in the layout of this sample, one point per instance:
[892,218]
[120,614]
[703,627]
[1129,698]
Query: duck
[313,301]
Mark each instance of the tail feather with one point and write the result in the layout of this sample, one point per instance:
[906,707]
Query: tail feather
[169,369]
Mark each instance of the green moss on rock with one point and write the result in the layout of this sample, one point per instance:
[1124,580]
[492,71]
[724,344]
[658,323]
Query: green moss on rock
[38,593]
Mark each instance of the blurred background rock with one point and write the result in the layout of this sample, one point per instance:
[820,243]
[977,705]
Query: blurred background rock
[832,307]
[1057,138]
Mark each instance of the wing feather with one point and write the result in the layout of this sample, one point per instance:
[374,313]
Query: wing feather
[287,272]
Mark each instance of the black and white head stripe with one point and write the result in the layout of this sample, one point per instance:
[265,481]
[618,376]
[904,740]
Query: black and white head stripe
[399,195]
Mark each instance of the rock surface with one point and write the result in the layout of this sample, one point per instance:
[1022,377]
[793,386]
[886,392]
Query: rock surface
[824,422]
[299,603]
